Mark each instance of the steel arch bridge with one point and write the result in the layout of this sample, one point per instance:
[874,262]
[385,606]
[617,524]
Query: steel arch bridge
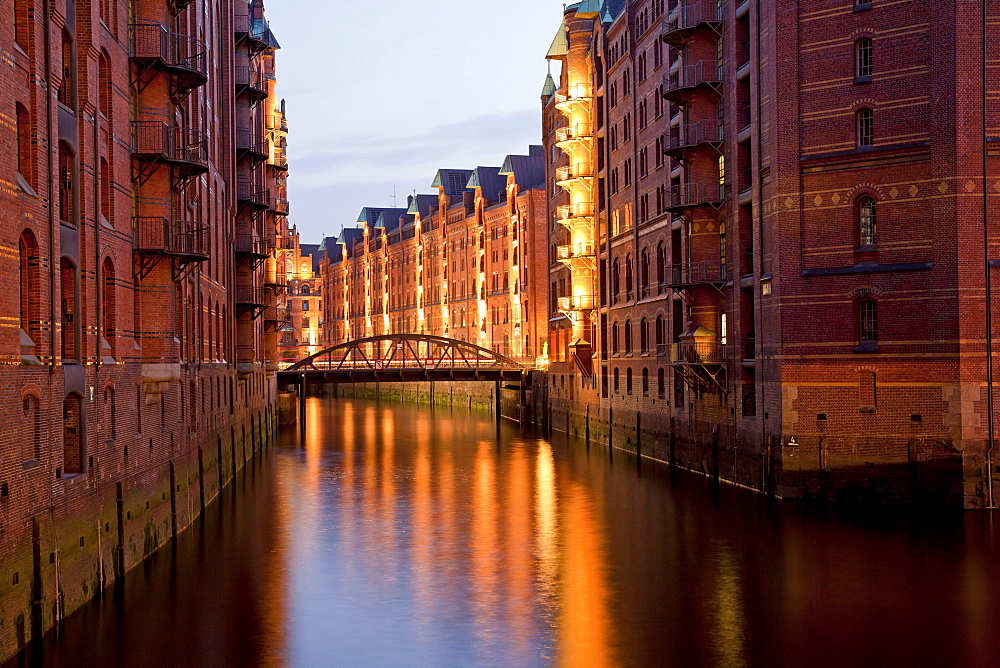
[401,358]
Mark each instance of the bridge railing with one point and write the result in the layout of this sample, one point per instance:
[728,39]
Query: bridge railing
[404,351]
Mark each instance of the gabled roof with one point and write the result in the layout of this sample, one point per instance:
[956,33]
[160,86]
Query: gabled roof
[421,204]
[389,219]
[369,215]
[452,180]
[528,170]
[489,180]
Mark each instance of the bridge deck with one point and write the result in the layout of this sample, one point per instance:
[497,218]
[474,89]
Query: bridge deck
[396,375]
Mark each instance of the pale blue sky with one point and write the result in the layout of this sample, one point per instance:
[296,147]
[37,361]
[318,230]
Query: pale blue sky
[385,92]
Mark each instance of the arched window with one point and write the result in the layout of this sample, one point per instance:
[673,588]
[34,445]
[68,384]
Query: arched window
[644,272]
[723,268]
[645,382]
[617,378]
[33,417]
[105,9]
[643,336]
[109,306]
[614,338]
[105,199]
[67,184]
[304,289]
[628,276]
[72,434]
[865,127]
[866,221]
[628,337]
[628,380]
[24,162]
[67,86]
[68,311]
[104,83]
[863,58]
[661,263]
[28,263]
[867,321]
[111,419]
[660,333]
[21,24]
[661,385]
[616,285]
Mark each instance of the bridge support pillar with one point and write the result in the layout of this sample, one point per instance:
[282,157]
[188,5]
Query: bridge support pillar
[302,404]
[496,400]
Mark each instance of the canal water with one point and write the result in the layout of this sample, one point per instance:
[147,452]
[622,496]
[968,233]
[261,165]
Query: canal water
[405,535]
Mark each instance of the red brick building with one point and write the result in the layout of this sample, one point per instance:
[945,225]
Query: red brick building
[466,263]
[789,212]
[135,220]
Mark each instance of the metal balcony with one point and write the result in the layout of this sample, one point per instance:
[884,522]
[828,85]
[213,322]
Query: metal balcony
[575,132]
[251,80]
[571,252]
[184,58]
[692,15]
[281,207]
[576,303]
[697,273]
[573,214]
[184,148]
[184,239]
[250,296]
[568,97]
[573,173]
[250,245]
[246,26]
[691,135]
[706,74]
[708,353]
[251,144]
[698,193]
[250,194]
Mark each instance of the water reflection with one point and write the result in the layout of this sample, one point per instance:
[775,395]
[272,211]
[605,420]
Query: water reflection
[395,534]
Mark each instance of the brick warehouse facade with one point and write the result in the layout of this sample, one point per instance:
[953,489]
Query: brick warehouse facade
[466,263]
[137,222]
[790,267]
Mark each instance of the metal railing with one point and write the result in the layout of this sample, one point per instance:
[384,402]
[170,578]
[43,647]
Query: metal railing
[154,234]
[574,132]
[169,142]
[248,191]
[281,207]
[250,244]
[578,171]
[692,13]
[695,273]
[576,303]
[244,23]
[579,92]
[700,352]
[250,141]
[696,193]
[151,41]
[578,210]
[572,251]
[248,76]
[707,71]
[250,295]
[709,130]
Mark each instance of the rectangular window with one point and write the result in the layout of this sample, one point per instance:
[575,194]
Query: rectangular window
[866,128]
[305,304]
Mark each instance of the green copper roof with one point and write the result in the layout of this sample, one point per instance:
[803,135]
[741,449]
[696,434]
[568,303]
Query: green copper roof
[549,88]
[560,44]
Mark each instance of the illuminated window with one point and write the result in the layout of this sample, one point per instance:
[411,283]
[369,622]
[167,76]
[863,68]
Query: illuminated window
[866,221]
